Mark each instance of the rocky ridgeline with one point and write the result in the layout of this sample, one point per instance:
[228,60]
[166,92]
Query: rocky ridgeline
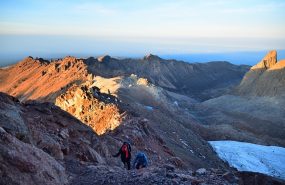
[42,80]
[98,110]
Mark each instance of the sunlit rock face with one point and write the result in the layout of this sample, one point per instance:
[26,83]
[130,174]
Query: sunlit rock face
[42,80]
[267,62]
[265,78]
[97,110]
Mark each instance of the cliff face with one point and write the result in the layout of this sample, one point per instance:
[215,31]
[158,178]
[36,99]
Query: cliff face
[88,104]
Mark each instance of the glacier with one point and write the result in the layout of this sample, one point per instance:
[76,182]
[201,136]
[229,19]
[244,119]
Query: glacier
[269,160]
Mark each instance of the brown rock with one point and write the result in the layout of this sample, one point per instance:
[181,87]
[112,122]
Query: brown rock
[23,163]
[95,156]
[96,112]
[176,161]
[169,167]
[230,177]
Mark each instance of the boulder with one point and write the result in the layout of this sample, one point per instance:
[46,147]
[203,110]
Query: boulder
[22,163]
[201,171]
[11,119]
[230,177]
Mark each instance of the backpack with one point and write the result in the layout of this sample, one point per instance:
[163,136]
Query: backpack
[126,149]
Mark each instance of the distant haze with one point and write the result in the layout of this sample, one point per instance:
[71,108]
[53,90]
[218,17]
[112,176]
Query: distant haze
[182,29]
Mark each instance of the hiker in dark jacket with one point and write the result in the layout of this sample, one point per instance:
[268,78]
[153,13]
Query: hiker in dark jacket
[140,161]
[125,152]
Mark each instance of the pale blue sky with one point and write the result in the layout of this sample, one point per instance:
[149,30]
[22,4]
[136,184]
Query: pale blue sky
[136,27]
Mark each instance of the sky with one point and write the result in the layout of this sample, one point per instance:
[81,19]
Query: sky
[133,28]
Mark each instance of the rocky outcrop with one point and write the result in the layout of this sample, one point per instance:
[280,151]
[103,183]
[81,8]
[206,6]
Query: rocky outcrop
[22,163]
[264,79]
[11,119]
[88,104]
[267,62]
[37,156]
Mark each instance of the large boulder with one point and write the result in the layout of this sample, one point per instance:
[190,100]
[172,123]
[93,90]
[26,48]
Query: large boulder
[10,118]
[22,163]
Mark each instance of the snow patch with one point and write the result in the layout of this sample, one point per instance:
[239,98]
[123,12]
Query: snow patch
[6,67]
[149,108]
[268,160]
[183,142]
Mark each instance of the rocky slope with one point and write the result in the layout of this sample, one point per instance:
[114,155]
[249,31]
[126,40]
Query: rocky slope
[254,111]
[265,78]
[41,144]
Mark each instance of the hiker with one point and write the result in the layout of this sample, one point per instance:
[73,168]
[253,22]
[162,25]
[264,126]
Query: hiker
[125,152]
[140,161]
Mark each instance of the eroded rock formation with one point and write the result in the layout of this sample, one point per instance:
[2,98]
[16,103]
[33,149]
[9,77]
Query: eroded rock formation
[88,104]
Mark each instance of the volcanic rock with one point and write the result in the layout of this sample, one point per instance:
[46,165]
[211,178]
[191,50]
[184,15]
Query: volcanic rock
[25,164]
[100,114]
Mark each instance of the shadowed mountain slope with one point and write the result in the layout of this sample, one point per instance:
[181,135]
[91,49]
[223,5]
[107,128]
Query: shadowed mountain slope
[254,111]
[197,80]
[41,144]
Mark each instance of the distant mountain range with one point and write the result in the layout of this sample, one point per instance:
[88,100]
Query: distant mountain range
[245,58]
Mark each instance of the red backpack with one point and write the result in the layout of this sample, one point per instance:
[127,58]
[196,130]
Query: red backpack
[125,150]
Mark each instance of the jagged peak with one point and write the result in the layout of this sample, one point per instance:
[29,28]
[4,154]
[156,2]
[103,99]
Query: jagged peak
[279,65]
[268,61]
[26,61]
[104,58]
[29,58]
[151,57]
[69,58]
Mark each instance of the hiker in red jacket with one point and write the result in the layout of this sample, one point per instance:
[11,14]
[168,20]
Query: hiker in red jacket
[125,152]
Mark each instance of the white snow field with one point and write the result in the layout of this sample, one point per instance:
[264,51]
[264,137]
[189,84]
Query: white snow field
[243,156]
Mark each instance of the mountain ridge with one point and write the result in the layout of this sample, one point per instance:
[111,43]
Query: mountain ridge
[158,105]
